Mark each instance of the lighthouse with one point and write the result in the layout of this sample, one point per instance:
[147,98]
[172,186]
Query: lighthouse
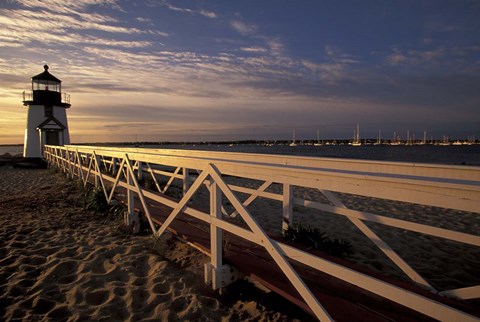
[46,116]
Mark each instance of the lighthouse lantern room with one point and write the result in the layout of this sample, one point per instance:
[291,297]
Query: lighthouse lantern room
[46,116]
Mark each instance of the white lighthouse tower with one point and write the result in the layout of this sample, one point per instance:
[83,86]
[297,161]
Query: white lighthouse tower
[47,115]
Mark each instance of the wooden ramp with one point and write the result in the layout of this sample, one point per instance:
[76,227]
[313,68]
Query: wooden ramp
[342,300]
[329,288]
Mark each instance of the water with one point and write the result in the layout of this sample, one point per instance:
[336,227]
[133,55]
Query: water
[452,154]
[12,149]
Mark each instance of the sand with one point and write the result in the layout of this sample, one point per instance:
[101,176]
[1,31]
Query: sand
[61,262]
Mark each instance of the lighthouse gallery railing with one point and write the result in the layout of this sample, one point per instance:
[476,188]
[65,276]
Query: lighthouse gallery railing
[28,96]
[455,187]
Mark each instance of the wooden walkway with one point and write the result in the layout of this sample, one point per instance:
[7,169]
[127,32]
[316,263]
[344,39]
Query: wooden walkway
[329,288]
[342,300]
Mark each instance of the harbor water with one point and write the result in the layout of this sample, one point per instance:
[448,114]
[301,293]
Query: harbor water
[436,154]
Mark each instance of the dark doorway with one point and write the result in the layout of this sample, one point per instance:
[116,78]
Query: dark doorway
[52,138]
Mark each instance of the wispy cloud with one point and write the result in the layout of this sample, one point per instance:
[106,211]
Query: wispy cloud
[52,22]
[243,28]
[202,12]
[63,23]
[209,14]
[445,56]
[145,20]
[413,57]
[254,49]
[338,67]
[106,60]
[68,6]
[276,46]
[337,55]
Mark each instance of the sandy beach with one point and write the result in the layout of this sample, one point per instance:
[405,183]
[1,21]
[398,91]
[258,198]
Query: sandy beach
[60,262]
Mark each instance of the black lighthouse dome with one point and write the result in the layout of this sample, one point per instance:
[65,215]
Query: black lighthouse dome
[46,91]
[46,81]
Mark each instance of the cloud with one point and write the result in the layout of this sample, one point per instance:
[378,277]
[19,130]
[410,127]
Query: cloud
[208,14]
[243,28]
[336,69]
[414,57]
[51,22]
[337,55]
[276,46]
[396,58]
[446,56]
[178,9]
[329,73]
[144,20]
[69,6]
[44,21]
[254,49]
[202,12]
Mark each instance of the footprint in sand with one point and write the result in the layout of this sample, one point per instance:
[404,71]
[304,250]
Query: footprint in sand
[163,288]
[42,306]
[180,303]
[61,271]
[27,282]
[97,297]
[139,298]
[119,291]
[36,260]
[58,313]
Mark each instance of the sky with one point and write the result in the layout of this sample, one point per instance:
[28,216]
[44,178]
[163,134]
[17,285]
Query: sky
[154,70]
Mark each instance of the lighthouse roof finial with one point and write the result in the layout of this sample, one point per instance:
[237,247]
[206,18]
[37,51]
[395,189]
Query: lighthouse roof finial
[46,76]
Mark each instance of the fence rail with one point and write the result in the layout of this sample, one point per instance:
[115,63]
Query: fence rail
[455,187]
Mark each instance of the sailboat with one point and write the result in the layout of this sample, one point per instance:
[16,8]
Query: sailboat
[379,140]
[356,137]
[293,141]
[396,139]
[445,141]
[409,140]
[318,143]
[424,139]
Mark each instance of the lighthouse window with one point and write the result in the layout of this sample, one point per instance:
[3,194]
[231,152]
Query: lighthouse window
[48,111]
[45,86]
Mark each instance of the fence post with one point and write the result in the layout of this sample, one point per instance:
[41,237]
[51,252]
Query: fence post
[130,195]
[140,171]
[216,234]
[69,167]
[287,206]
[186,180]
[64,161]
[58,159]
[79,165]
[114,166]
[216,273]
[130,218]
[97,165]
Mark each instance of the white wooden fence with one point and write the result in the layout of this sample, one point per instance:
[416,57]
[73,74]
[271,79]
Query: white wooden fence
[455,187]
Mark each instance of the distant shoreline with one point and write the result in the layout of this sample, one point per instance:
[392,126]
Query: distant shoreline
[369,141]
[451,154]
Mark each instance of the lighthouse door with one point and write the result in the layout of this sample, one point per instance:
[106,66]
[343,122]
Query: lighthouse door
[52,138]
